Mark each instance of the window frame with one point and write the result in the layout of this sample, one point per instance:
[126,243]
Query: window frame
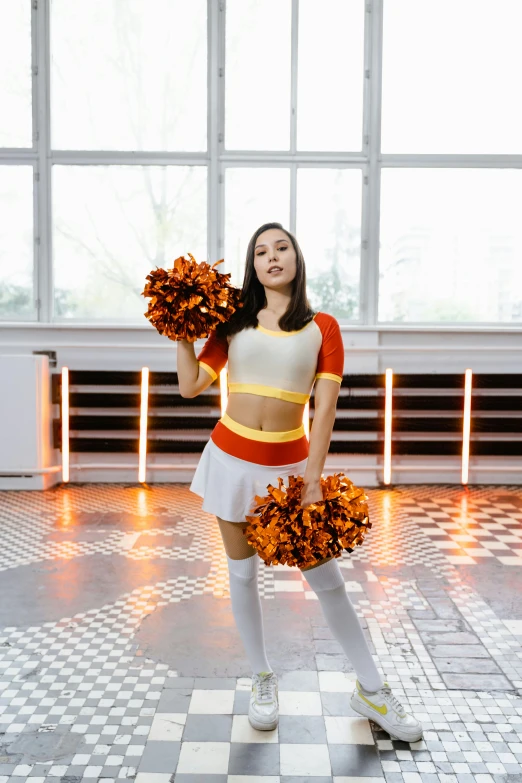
[369,158]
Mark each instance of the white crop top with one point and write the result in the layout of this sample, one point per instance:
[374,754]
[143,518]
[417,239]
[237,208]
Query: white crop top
[275,363]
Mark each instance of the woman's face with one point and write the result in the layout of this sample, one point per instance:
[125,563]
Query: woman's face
[274,251]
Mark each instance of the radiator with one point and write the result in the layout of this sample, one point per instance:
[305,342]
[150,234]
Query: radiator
[26,454]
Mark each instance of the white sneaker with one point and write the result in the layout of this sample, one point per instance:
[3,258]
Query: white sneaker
[263,711]
[386,710]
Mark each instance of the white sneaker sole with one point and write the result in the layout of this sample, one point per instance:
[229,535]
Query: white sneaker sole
[381,721]
[261,725]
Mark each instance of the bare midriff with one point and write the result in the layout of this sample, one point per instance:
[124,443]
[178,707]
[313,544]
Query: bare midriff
[264,413]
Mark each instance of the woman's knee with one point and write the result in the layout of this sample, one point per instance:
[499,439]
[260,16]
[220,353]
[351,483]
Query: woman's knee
[325,575]
[315,565]
[234,539]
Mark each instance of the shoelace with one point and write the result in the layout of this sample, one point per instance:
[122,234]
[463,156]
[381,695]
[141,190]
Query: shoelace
[393,700]
[265,686]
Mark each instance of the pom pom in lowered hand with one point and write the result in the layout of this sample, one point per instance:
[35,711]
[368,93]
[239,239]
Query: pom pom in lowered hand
[286,533]
[189,300]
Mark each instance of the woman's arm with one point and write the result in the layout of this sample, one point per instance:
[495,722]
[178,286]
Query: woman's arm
[326,394]
[192,379]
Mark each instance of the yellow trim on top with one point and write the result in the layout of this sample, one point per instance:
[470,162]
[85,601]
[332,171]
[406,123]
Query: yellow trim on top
[280,333]
[330,376]
[209,370]
[264,435]
[268,391]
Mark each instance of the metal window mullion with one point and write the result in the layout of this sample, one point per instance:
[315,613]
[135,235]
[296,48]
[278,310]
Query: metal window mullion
[429,160]
[365,195]
[293,198]
[32,154]
[41,98]
[219,132]
[299,157]
[213,174]
[273,163]
[294,65]
[371,189]
[129,158]
[16,156]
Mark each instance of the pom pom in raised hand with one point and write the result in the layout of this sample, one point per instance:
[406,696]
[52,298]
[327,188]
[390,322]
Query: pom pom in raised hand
[189,300]
[282,531]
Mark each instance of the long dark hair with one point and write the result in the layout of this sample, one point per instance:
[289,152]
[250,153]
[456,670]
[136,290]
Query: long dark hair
[298,312]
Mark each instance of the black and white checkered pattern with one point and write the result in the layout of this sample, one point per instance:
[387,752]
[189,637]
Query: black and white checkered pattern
[78,702]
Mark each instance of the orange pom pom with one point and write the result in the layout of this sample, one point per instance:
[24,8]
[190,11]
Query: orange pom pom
[189,300]
[282,531]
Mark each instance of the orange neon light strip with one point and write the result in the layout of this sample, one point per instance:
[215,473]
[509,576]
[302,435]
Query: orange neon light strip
[65,424]
[466,426]
[388,426]
[144,407]
[223,390]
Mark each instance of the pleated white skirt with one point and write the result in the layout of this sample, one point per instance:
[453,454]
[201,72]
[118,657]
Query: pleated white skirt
[228,485]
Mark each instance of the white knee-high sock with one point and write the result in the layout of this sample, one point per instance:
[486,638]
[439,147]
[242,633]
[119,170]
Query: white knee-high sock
[327,582]
[246,607]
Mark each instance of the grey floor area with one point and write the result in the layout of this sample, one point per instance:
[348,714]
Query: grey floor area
[120,660]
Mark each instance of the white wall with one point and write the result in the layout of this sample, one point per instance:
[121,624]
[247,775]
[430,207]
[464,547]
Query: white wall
[368,350]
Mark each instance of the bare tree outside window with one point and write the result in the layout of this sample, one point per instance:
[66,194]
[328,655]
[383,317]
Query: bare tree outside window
[130,158]
[125,76]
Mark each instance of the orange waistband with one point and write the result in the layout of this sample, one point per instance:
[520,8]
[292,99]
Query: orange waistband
[257,451]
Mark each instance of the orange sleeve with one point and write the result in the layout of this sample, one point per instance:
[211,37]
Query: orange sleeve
[330,362]
[214,354]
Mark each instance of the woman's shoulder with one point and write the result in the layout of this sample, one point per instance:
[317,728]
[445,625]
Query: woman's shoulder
[325,321]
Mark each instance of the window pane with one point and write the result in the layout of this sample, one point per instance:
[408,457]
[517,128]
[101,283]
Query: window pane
[253,196]
[129,74]
[451,74]
[257,74]
[329,234]
[112,225]
[330,78]
[15,74]
[451,245]
[16,243]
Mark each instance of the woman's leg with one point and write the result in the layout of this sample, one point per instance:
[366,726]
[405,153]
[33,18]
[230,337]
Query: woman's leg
[371,697]
[326,580]
[243,566]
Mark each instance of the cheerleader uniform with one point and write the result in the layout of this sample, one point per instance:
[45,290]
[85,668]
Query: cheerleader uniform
[238,462]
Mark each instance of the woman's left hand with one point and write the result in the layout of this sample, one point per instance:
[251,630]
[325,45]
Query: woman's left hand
[311,493]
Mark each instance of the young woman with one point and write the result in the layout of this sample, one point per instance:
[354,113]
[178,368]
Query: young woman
[276,348]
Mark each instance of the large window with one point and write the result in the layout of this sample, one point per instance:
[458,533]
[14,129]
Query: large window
[129,75]
[450,238]
[253,196]
[258,47]
[386,134]
[451,76]
[17,299]
[330,75]
[15,74]
[451,245]
[329,231]
[112,225]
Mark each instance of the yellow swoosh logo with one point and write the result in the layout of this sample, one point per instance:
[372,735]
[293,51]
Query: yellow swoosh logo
[381,710]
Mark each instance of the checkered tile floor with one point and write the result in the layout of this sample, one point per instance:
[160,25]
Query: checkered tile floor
[83,570]
[476,530]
